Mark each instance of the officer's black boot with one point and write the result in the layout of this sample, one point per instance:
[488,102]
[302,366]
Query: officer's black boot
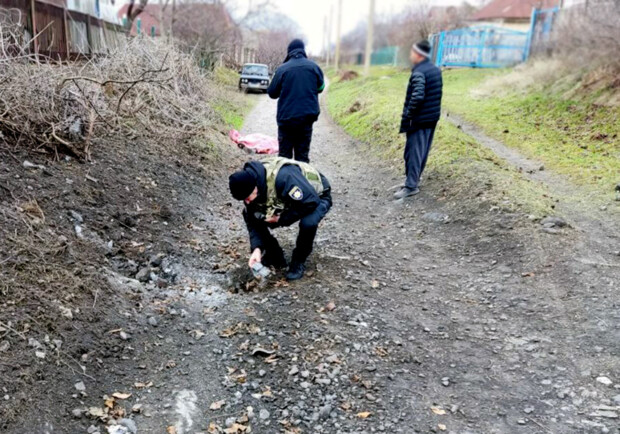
[295,271]
[274,258]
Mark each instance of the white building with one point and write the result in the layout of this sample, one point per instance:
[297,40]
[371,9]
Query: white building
[102,9]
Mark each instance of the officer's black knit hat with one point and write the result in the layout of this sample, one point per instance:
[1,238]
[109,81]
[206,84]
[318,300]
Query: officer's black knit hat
[423,47]
[295,44]
[242,184]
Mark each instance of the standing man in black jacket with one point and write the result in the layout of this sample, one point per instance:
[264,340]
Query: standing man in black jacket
[421,113]
[296,84]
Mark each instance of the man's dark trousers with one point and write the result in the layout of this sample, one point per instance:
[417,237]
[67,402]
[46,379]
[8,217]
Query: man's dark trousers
[294,140]
[308,226]
[416,153]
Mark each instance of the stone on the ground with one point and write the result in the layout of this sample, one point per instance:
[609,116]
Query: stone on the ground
[156,260]
[604,380]
[79,386]
[143,274]
[76,216]
[325,411]
[263,414]
[553,222]
[435,217]
[129,424]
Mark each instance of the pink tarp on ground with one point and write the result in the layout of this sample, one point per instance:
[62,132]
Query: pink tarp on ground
[255,143]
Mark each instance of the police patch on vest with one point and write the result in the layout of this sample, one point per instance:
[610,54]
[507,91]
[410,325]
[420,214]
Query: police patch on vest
[296,193]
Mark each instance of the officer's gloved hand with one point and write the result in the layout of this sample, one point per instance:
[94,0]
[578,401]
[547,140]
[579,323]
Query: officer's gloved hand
[272,221]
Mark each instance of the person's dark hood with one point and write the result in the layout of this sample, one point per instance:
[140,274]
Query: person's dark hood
[295,54]
[259,171]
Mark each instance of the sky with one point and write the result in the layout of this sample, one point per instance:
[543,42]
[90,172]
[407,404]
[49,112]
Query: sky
[310,14]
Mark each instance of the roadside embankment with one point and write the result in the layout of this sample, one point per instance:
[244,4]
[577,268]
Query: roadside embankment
[459,168]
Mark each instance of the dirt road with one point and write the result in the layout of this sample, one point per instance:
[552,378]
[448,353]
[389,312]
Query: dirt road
[416,317]
[415,310]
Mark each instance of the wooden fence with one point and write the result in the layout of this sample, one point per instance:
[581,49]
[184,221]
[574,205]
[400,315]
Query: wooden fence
[55,32]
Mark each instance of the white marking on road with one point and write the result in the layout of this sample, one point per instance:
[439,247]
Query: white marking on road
[185,408]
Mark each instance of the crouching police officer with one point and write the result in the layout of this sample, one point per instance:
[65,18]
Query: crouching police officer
[279,192]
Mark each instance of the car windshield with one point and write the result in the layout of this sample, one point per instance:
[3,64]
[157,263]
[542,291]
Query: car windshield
[255,70]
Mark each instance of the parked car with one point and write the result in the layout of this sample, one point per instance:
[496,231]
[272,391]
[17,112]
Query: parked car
[254,76]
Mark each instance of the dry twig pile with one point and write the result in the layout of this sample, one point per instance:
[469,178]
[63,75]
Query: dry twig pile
[147,88]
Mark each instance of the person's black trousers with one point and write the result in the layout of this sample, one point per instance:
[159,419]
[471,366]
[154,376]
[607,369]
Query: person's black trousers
[417,149]
[308,225]
[294,140]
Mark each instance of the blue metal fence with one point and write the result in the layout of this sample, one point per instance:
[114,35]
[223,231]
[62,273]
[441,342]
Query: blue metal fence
[540,28]
[480,47]
[490,46]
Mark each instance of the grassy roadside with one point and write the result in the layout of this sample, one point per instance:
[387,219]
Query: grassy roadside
[232,105]
[369,109]
[569,131]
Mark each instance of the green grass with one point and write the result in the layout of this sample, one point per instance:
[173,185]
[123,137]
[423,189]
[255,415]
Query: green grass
[573,135]
[226,76]
[233,113]
[369,109]
[231,105]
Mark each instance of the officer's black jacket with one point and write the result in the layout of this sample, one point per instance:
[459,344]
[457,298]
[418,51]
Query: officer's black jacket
[297,84]
[289,179]
[422,107]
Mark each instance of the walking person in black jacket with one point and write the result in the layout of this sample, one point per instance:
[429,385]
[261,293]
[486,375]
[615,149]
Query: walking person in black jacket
[296,84]
[421,113]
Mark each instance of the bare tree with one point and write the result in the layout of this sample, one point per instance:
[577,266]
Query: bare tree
[588,33]
[210,29]
[273,31]
[134,10]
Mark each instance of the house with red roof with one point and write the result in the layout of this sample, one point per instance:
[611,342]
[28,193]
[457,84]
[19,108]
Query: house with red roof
[149,20]
[513,14]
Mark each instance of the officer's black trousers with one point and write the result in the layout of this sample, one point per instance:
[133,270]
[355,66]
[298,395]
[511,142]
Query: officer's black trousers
[308,226]
[294,140]
[307,230]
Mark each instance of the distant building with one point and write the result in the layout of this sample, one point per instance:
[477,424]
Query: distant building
[513,14]
[149,20]
[201,25]
[102,9]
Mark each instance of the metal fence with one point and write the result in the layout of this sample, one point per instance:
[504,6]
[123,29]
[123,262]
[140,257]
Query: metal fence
[490,46]
[542,23]
[58,33]
[385,56]
[479,47]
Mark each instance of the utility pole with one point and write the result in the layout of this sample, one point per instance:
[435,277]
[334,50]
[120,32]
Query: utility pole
[369,36]
[329,35]
[172,18]
[338,25]
[325,42]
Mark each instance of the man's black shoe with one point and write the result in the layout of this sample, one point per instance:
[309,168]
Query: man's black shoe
[295,271]
[278,261]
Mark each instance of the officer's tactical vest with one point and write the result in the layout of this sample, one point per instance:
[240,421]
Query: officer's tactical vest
[273,166]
